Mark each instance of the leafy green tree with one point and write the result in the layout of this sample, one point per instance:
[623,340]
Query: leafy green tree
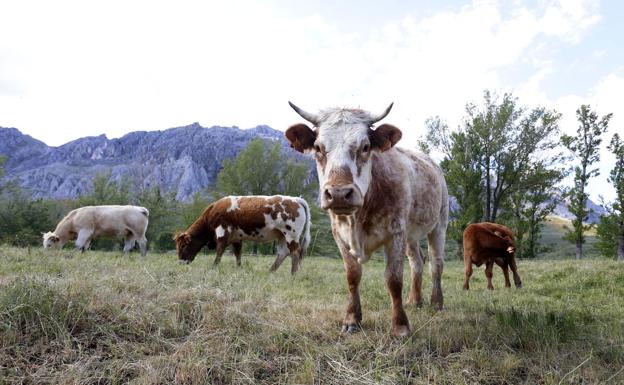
[585,147]
[489,163]
[164,217]
[610,231]
[106,192]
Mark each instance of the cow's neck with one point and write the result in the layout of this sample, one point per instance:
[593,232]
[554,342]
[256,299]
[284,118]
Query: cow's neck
[355,229]
[64,231]
[200,230]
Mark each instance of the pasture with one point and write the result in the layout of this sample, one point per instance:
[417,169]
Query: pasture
[101,318]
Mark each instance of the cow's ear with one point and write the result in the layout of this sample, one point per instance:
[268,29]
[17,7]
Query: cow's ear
[384,137]
[300,137]
[183,238]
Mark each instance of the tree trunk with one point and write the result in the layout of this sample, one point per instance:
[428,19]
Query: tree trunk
[620,249]
[579,249]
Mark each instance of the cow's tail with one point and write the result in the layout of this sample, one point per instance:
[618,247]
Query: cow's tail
[305,239]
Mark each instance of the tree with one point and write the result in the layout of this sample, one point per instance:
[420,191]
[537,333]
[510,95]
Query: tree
[490,163]
[106,191]
[462,172]
[610,231]
[585,147]
[164,217]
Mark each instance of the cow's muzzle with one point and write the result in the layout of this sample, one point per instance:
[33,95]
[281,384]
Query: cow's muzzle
[341,200]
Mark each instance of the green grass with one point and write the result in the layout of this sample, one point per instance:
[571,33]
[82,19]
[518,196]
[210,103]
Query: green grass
[101,318]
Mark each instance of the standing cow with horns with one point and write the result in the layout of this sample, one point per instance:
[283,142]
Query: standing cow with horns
[376,195]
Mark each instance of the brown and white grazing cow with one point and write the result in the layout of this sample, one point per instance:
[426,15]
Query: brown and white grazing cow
[490,243]
[87,223]
[377,195]
[234,219]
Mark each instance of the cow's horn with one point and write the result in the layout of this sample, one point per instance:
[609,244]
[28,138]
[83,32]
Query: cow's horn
[375,119]
[306,115]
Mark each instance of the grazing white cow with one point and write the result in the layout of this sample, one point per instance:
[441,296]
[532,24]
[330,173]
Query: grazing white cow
[87,223]
[377,195]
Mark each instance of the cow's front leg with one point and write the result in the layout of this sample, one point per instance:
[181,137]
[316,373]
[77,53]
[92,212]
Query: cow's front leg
[514,270]
[416,264]
[353,268]
[221,245]
[84,239]
[237,247]
[395,253]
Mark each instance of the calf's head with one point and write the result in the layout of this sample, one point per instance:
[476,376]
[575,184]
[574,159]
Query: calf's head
[51,240]
[187,245]
[343,142]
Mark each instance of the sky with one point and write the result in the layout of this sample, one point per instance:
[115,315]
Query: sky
[70,69]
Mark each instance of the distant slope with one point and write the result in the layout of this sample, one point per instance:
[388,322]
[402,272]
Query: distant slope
[183,159]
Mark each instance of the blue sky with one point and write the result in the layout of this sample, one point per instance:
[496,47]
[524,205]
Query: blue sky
[73,68]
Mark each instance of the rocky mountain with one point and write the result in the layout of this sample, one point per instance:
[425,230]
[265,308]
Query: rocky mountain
[183,159]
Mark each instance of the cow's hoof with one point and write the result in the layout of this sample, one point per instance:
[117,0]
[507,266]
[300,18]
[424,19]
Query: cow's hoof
[400,330]
[519,286]
[413,302]
[350,328]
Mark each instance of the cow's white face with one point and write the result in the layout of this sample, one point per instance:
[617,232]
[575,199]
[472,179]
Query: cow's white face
[50,240]
[342,143]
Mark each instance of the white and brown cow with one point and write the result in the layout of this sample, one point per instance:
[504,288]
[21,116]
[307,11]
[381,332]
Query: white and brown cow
[234,219]
[377,195]
[87,223]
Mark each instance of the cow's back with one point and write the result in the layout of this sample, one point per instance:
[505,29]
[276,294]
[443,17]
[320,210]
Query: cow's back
[111,219]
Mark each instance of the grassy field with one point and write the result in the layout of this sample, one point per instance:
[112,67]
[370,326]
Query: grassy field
[101,318]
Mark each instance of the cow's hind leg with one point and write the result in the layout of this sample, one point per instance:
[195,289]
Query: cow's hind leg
[504,266]
[436,239]
[84,239]
[282,253]
[514,270]
[129,245]
[467,270]
[142,245]
[416,261]
[237,248]
[488,274]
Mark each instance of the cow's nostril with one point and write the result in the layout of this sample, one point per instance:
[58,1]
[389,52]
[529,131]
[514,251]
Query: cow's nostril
[328,196]
[348,195]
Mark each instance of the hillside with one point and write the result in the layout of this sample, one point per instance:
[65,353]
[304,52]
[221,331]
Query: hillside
[183,159]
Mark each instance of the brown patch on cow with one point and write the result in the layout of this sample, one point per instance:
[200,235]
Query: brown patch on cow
[340,176]
[291,208]
[300,137]
[293,246]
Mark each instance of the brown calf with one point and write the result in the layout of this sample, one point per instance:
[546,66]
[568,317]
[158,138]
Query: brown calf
[233,219]
[490,243]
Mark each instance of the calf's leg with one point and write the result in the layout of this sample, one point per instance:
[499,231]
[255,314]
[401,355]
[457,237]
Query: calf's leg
[514,270]
[488,274]
[467,270]
[503,265]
